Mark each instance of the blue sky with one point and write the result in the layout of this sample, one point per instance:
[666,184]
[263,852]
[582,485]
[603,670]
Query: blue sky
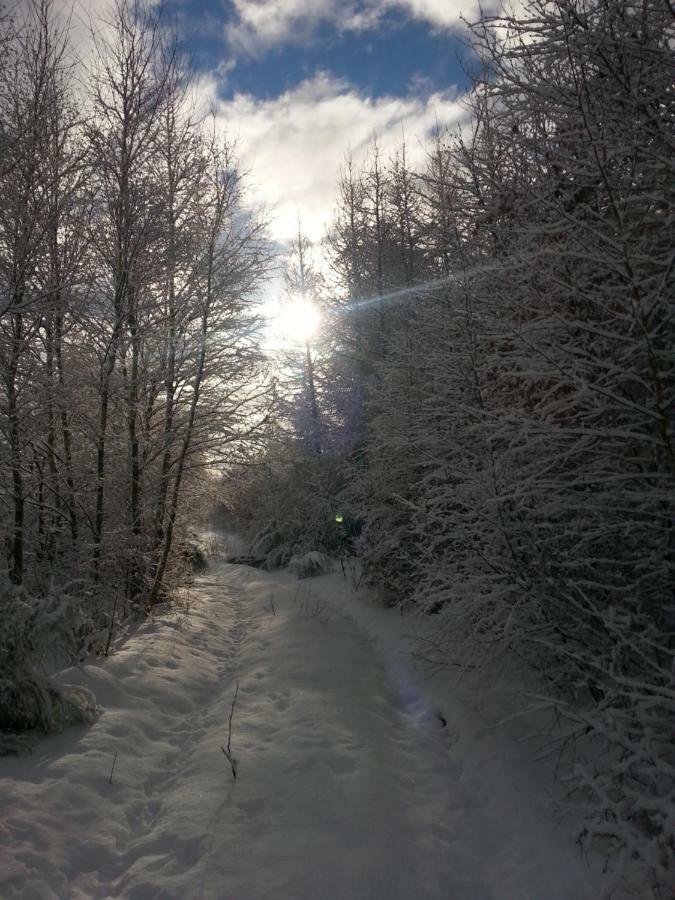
[395,53]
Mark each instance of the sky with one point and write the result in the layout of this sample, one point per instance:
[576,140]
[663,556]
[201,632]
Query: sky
[299,84]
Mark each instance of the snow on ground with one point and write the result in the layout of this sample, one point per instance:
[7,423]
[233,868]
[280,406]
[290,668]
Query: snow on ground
[348,784]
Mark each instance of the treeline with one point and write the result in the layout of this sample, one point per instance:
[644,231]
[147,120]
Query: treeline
[128,339]
[495,394]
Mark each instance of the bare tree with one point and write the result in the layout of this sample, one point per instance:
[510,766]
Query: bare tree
[130,81]
[219,370]
[33,97]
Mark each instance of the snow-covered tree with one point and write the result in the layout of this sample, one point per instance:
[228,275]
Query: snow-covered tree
[515,473]
[129,344]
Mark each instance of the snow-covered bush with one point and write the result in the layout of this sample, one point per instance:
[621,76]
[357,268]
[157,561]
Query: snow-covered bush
[35,632]
[268,539]
[310,565]
[278,558]
[196,552]
[289,503]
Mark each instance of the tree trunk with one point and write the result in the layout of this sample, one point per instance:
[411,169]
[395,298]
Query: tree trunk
[18,499]
[65,428]
[134,583]
[313,405]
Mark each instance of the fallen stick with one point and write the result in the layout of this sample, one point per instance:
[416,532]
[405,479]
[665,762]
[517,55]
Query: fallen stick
[228,753]
[113,768]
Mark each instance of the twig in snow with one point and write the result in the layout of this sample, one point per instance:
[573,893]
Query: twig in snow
[228,753]
[234,700]
[274,612]
[113,768]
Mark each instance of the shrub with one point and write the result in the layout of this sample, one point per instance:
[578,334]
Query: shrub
[310,565]
[35,631]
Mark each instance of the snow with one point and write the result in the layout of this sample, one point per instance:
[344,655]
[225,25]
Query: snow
[349,785]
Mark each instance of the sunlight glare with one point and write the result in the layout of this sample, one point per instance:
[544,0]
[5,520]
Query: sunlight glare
[296,320]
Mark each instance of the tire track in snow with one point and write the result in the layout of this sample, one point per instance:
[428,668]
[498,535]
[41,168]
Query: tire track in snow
[330,757]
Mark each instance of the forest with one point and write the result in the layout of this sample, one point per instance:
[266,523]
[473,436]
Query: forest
[480,426]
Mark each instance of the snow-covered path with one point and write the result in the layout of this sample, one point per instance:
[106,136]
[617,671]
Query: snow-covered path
[347,785]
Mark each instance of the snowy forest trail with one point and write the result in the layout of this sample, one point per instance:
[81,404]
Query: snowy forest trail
[347,787]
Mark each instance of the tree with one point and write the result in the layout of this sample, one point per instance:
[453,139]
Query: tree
[40,177]
[303,287]
[221,335]
[130,84]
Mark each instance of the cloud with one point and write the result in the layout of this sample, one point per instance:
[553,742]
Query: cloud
[260,24]
[442,13]
[294,144]
[77,17]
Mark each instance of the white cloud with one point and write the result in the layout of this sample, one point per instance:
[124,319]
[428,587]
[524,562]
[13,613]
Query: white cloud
[443,13]
[264,23]
[260,24]
[294,144]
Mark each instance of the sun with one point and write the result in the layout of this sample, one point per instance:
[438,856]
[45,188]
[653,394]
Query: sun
[293,321]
